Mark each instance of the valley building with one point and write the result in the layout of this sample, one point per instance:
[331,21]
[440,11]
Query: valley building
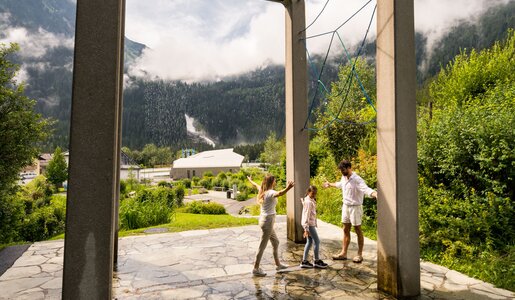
[215,161]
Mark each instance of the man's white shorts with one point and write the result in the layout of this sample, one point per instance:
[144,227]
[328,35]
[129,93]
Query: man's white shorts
[352,214]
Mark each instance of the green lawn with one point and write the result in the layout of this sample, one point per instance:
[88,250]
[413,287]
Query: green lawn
[185,221]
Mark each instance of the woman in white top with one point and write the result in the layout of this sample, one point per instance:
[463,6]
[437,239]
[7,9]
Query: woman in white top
[267,198]
[309,223]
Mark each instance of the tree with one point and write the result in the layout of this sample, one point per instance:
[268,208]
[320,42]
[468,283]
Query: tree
[273,151]
[57,170]
[346,121]
[21,128]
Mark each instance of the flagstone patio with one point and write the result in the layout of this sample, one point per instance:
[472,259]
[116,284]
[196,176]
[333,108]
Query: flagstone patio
[217,264]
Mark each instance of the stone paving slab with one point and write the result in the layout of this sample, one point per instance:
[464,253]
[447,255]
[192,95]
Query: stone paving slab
[216,264]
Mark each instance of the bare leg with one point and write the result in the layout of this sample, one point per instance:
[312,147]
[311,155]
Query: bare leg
[346,239]
[359,233]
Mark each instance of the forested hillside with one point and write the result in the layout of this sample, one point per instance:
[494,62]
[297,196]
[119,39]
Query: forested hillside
[239,109]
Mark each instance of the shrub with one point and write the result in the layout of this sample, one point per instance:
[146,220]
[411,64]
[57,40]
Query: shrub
[242,196]
[225,184]
[179,195]
[12,213]
[216,182]
[135,214]
[206,183]
[197,207]
[187,183]
[195,180]
[208,174]
[45,222]
[221,176]
[164,184]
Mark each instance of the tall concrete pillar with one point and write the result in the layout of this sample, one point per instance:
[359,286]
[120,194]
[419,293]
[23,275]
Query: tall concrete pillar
[297,139]
[96,104]
[119,140]
[398,245]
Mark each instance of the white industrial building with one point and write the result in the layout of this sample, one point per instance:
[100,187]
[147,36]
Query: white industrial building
[215,161]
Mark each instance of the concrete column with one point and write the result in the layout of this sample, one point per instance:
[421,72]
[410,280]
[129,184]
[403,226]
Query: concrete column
[297,140]
[119,138]
[96,101]
[398,265]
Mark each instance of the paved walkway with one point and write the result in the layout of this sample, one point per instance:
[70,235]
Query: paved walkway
[216,264]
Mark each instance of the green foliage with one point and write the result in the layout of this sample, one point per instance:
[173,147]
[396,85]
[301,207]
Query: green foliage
[45,221]
[346,120]
[195,180]
[197,207]
[242,196]
[57,170]
[151,206]
[21,129]
[206,183]
[186,221]
[466,164]
[12,213]
[186,182]
[274,150]
[469,142]
[151,155]
[136,214]
[251,151]
[490,27]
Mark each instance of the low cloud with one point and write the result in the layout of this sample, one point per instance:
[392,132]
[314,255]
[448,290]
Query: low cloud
[33,44]
[199,39]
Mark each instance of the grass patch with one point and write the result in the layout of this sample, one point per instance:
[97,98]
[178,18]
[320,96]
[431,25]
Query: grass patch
[186,221]
[3,246]
[493,267]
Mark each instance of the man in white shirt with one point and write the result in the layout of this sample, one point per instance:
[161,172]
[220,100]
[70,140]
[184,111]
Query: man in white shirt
[353,189]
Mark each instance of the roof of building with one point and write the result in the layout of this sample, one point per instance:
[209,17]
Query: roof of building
[223,158]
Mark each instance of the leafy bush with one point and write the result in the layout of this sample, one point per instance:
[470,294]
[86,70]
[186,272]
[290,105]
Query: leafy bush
[136,214]
[186,182]
[195,180]
[242,196]
[221,176]
[164,184]
[151,206]
[46,221]
[197,207]
[206,183]
[216,182]
[179,195]
[12,213]
[208,174]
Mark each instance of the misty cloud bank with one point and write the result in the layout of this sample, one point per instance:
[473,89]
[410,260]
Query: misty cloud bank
[33,45]
[205,40]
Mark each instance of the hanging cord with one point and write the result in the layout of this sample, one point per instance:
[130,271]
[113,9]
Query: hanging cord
[349,79]
[320,13]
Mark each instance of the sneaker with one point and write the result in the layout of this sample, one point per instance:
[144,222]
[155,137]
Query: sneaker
[258,272]
[281,267]
[320,264]
[306,264]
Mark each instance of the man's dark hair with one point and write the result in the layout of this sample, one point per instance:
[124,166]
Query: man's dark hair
[344,164]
